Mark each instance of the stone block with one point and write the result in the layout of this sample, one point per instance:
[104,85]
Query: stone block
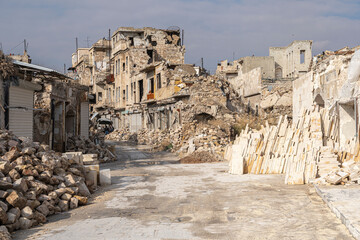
[91,178]
[105,177]
[66,196]
[4,206]
[74,202]
[82,200]
[43,209]
[69,180]
[64,205]
[83,190]
[39,217]
[27,212]
[3,194]
[20,185]
[3,216]
[25,223]
[16,199]
[334,179]
[11,218]
[16,212]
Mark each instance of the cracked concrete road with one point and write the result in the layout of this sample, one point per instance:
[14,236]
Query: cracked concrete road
[154,197]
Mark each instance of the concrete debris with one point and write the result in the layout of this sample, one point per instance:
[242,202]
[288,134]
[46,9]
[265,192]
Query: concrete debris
[206,121]
[80,144]
[36,183]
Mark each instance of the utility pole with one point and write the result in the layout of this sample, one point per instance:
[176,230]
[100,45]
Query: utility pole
[110,51]
[24,45]
[64,68]
[182,39]
[77,46]
[202,63]
[1,46]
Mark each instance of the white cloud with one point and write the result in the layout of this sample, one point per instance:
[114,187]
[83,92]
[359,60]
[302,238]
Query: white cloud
[213,29]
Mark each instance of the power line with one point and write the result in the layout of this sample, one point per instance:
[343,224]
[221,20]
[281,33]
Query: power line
[16,46]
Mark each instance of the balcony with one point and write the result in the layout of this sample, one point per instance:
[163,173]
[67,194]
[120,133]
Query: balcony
[110,78]
[150,96]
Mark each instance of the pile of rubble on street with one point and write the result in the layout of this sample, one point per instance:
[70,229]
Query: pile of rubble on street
[86,146]
[276,100]
[206,121]
[37,182]
[306,152]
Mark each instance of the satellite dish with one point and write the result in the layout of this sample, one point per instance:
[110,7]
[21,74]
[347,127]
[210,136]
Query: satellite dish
[173,28]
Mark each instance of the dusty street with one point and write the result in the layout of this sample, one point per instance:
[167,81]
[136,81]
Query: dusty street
[153,197]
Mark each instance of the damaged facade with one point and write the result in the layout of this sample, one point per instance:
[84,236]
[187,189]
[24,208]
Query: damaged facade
[264,83]
[332,84]
[137,77]
[322,143]
[43,105]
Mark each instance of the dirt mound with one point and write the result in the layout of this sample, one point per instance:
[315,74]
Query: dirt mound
[199,157]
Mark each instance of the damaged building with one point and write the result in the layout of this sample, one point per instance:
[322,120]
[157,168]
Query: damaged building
[264,82]
[42,104]
[332,83]
[136,76]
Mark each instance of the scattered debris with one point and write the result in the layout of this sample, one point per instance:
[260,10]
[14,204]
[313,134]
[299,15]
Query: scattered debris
[81,144]
[36,182]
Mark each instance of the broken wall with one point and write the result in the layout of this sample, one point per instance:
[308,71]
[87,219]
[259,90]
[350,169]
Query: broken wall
[302,95]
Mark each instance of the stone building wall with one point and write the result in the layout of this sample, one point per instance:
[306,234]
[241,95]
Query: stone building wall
[293,60]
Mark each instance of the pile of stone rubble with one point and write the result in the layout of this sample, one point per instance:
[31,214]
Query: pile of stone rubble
[86,146]
[122,135]
[307,151]
[36,182]
[205,126]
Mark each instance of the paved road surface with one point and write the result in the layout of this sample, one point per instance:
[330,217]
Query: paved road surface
[153,197]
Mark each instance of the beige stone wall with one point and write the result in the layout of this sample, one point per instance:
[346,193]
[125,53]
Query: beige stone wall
[289,58]
[267,65]
[302,95]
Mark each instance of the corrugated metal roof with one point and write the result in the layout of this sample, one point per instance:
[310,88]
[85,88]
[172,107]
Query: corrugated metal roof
[29,65]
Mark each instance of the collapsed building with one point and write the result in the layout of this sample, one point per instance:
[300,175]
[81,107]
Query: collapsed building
[264,82]
[136,76]
[322,144]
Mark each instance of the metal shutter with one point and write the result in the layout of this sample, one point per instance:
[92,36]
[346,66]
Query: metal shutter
[84,119]
[135,123]
[21,119]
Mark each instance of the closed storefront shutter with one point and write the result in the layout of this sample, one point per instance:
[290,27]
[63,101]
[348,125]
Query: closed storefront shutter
[21,111]
[84,119]
[135,123]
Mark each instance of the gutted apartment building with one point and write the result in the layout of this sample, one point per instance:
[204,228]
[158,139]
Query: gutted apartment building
[135,76]
[293,60]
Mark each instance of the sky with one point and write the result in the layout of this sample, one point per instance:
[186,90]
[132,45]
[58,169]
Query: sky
[214,30]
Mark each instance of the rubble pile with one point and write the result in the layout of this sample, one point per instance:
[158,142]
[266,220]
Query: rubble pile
[122,135]
[276,100]
[80,144]
[205,125]
[207,118]
[298,151]
[36,182]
